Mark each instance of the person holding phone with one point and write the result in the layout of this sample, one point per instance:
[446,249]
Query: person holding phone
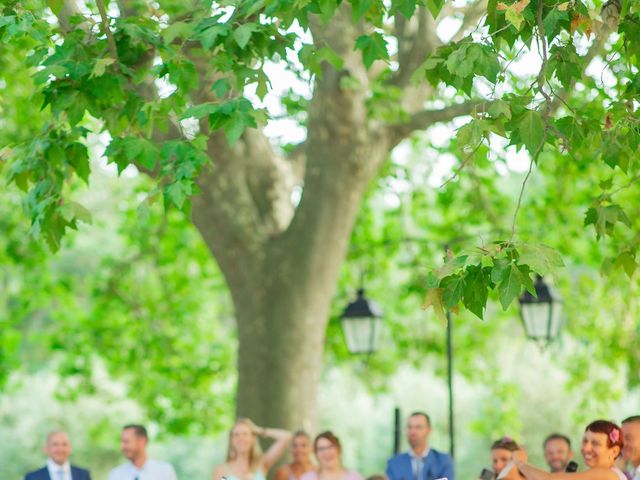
[602,443]
[502,457]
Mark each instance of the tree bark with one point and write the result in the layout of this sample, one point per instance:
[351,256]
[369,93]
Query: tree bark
[282,264]
[282,285]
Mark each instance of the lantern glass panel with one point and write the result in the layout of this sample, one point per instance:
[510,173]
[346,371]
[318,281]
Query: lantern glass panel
[362,333]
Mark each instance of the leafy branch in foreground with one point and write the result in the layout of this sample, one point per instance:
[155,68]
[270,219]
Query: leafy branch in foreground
[503,266]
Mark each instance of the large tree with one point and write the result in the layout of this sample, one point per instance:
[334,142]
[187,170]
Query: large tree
[377,72]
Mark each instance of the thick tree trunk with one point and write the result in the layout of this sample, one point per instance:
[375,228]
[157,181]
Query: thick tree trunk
[281,267]
[279,370]
[282,288]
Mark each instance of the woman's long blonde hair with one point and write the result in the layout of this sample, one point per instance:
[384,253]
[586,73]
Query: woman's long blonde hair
[255,454]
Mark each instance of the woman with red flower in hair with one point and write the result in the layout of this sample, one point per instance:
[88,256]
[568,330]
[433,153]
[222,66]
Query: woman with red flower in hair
[601,444]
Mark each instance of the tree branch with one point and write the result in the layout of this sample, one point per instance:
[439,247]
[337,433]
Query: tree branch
[69,9]
[596,49]
[113,49]
[426,118]
[268,178]
[417,39]
[472,14]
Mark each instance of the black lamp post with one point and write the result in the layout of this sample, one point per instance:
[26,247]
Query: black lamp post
[541,314]
[362,324]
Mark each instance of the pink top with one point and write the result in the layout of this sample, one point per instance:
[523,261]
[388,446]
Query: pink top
[348,475]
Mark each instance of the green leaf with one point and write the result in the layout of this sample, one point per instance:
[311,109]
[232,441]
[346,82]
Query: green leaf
[628,262]
[604,218]
[531,128]
[242,34]
[435,6]
[199,111]
[80,212]
[551,21]
[500,108]
[406,7]
[360,8]
[55,5]
[209,36]
[459,63]
[476,290]
[487,64]
[527,282]
[142,151]
[177,30]
[177,193]
[452,290]
[78,156]
[263,84]
[542,259]
[100,66]
[221,87]
[327,9]
[500,270]
[514,17]
[234,128]
[511,286]
[373,47]
[329,55]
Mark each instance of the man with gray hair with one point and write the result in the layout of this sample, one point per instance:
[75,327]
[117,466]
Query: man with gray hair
[58,449]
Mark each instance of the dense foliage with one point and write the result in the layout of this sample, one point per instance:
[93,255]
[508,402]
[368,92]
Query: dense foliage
[104,65]
[555,81]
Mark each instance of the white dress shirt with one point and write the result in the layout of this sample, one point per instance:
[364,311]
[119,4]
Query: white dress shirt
[54,470]
[417,462]
[636,473]
[151,470]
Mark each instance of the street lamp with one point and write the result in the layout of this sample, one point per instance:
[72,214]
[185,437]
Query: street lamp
[541,314]
[362,324]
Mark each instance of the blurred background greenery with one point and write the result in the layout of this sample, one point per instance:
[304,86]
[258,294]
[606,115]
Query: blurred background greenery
[132,322]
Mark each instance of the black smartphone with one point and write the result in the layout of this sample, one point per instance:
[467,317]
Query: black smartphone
[486,474]
[571,467]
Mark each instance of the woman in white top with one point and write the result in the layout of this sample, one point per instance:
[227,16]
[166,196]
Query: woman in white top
[602,443]
[245,460]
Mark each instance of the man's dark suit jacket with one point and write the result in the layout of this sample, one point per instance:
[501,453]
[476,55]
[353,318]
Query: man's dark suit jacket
[43,474]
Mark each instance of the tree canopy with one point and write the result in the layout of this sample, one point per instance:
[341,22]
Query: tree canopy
[180,91]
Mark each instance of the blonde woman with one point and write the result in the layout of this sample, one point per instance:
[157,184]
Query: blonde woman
[245,460]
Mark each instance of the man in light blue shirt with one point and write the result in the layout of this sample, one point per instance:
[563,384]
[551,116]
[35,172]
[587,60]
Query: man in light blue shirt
[133,441]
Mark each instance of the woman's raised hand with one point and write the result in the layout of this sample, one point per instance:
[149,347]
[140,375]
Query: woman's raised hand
[520,456]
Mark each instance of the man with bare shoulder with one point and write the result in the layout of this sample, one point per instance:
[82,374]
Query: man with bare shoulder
[631,449]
